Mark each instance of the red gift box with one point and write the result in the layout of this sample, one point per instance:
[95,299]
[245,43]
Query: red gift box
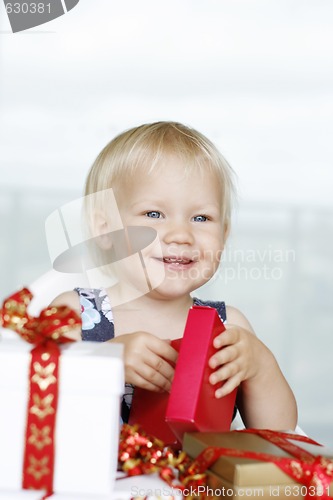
[191,405]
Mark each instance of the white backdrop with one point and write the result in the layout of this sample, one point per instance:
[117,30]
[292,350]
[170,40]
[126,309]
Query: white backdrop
[256,77]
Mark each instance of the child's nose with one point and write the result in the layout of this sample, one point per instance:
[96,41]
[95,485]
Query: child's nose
[179,232]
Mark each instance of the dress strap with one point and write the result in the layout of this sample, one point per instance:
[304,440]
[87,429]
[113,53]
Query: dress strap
[219,306]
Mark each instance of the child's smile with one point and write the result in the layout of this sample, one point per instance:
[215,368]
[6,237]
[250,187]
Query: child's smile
[177,262]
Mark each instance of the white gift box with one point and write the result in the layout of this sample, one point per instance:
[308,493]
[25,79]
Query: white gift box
[91,382]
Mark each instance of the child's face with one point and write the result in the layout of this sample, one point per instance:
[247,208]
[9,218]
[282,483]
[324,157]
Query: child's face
[185,210]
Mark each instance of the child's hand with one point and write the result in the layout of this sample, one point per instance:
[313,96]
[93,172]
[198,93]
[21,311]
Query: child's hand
[236,360]
[147,361]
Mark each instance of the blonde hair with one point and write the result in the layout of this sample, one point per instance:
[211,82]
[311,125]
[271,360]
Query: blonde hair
[145,146]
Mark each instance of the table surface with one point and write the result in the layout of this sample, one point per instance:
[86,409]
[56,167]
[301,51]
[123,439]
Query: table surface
[144,486]
[126,488]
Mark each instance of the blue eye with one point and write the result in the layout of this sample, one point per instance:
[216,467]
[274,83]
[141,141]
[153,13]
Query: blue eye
[153,214]
[200,218]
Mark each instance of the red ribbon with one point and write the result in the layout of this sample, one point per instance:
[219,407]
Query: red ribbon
[47,331]
[315,472]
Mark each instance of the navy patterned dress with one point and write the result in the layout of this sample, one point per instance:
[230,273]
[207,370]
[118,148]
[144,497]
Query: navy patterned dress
[98,326]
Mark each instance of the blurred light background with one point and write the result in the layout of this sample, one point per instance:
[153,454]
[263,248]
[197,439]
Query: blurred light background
[257,78]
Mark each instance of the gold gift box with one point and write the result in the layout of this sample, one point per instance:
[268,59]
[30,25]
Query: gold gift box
[236,477]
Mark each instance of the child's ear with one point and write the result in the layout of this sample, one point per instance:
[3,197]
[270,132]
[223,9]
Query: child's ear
[226,230]
[101,230]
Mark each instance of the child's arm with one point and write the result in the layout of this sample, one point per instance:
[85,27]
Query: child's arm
[265,399]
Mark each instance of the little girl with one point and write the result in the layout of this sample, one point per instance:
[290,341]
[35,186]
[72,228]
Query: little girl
[171,178]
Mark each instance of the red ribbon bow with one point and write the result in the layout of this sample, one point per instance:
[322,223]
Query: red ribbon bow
[47,331]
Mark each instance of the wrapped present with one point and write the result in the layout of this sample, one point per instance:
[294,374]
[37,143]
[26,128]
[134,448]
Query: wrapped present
[262,464]
[59,424]
[191,405]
